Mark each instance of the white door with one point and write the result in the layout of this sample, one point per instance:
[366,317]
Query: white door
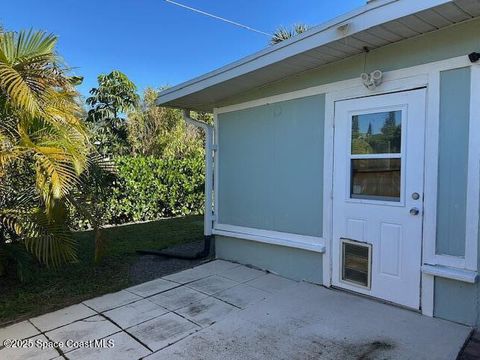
[378,196]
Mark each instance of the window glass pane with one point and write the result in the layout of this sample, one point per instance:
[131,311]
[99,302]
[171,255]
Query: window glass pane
[356,261]
[375,179]
[379,133]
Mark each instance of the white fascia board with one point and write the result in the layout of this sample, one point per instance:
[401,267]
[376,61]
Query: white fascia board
[368,16]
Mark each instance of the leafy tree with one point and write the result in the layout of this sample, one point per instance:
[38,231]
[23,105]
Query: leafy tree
[43,147]
[391,134]
[110,101]
[149,125]
[90,200]
[162,132]
[369,130]
[282,33]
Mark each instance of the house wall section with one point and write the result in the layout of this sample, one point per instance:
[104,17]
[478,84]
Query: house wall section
[271,167]
[257,142]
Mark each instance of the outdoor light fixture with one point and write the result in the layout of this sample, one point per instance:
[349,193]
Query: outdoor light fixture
[372,80]
[474,57]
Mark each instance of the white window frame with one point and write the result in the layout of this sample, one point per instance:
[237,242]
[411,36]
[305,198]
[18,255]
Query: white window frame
[425,75]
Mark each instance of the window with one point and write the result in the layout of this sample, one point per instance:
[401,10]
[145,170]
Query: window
[375,165]
[378,133]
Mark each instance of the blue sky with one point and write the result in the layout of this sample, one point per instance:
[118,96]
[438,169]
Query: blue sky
[156,43]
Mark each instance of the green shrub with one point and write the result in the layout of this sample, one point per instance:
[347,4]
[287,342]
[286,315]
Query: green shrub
[149,188]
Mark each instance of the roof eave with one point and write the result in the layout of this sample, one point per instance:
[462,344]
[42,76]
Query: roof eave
[363,18]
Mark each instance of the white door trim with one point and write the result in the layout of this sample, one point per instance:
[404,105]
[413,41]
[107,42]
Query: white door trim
[396,257]
[427,75]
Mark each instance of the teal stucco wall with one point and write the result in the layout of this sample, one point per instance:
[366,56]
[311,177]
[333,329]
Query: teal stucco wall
[453,161]
[271,166]
[292,263]
[454,300]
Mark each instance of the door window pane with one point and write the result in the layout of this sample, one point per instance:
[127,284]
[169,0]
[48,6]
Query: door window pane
[379,133]
[376,179]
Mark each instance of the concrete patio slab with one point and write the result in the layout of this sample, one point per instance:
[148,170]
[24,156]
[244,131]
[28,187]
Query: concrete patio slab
[242,295]
[217,267]
[212,284]
[21,330]
[269,317]
[111,301]
[207,311]
[271,283]
[163,331]
[152,287]
[62,317]
[317,323]
[135,313]
[242,274]
[125,348]
[177,298]
[187,276]
[93,328]
[30,352]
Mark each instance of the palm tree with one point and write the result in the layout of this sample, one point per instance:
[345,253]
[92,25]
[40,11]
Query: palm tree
[282,33]
[40,134]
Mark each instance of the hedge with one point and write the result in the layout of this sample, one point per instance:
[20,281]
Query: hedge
[148,188]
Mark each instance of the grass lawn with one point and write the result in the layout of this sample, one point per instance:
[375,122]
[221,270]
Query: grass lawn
[54,289]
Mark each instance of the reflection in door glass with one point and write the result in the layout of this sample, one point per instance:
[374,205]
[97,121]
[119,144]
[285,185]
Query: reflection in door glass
[375,179]
[379,133]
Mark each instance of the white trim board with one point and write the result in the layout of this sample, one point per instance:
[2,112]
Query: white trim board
[303,242]
[467,276]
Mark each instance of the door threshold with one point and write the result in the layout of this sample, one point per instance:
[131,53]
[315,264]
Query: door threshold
[376,299]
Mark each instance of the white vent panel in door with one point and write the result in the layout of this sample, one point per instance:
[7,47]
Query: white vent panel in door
[356,263]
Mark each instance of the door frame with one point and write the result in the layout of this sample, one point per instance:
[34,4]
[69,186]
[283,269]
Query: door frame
[412,104]
[392,86]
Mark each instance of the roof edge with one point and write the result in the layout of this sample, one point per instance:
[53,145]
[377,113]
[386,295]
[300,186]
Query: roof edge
[367,16]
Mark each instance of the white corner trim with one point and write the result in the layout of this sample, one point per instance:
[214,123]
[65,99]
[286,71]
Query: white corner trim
[473,180]
[427,294]
[329,132]
[468,276]
[310,243]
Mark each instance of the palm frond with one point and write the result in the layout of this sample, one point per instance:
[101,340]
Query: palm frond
[26,59]
[51,243]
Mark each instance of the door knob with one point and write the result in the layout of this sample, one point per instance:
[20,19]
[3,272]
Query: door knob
[414,211]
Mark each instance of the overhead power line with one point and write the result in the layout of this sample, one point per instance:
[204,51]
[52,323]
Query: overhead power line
[218,18]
